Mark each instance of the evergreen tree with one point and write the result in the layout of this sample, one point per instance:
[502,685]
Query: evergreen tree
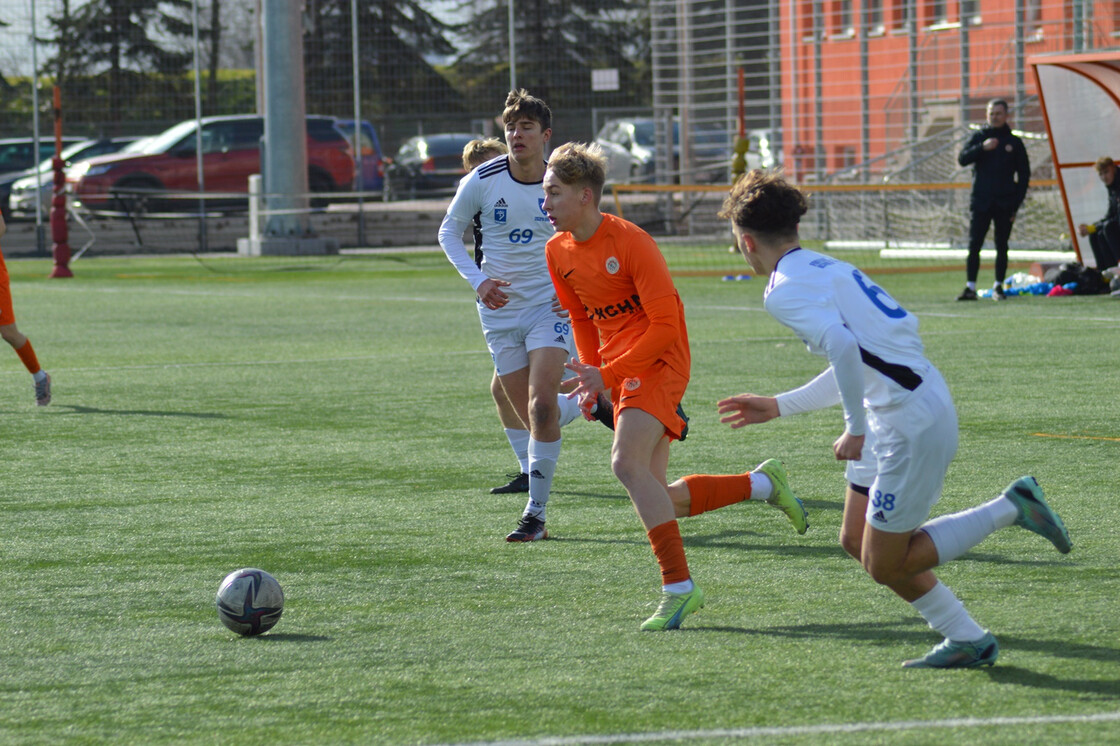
[557,45]
[120,40]
[397,38]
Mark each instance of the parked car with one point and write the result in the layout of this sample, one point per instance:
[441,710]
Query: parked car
[428,165]
[18,153]
[139,181]
[41,184]
[373,167]
[18,158]
[633,142]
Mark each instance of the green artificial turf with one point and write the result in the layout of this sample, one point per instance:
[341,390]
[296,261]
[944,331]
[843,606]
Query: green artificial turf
[329,420]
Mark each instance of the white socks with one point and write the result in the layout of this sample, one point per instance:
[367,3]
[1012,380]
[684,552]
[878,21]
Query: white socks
[761,486]
[519,442]
[542,467]
[569,409]
[954,534]
[685,586]
[519,439]
[945,614]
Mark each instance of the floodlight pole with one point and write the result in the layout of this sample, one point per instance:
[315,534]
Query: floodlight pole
[40,230]
[512,51]
[359,171]
[202,242]
[284,158]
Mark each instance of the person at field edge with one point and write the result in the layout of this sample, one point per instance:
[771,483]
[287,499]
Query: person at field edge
[1001,174]
[630,333]
[879,373]
[475,153]
[12,335]
[1104,235]
[527,340]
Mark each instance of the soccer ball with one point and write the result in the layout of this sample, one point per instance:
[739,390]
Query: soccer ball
[250,601]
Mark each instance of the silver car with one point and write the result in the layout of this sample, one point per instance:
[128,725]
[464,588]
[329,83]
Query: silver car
[26,189]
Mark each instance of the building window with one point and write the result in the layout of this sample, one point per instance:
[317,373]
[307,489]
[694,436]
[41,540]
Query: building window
[840,19]
[1034,13]
[807,22]
[874,17]
[845,156]
[935,13]
[970,10]
[899,14]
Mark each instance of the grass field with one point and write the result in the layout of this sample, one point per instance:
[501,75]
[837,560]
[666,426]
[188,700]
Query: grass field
[329,421]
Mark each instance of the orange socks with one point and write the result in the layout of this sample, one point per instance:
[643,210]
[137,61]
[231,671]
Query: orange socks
[27,355]
[709,492]
[669,550]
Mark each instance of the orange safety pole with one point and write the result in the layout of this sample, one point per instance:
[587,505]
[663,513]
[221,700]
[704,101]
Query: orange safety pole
[60,231]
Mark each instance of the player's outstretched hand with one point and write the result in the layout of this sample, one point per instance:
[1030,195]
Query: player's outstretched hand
[748,409]
[491,295]
[588,379]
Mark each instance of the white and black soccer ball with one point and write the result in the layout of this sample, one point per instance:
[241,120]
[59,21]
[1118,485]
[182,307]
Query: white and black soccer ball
[250,601]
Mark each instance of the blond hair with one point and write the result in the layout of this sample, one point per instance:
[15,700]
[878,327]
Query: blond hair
[482,149]
[581,165]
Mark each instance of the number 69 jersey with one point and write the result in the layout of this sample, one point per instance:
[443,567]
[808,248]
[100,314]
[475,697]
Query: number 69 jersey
[811,293]
[514,230]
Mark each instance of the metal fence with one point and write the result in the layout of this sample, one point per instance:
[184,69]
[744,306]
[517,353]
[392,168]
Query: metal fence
[700,71]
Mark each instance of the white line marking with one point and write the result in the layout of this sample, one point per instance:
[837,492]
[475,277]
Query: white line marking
[249,363]
[800,730]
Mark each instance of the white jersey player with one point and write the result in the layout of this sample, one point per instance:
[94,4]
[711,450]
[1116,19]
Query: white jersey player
[879,373]
[528,341]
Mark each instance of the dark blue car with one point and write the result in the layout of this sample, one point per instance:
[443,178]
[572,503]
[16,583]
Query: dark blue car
[373,168]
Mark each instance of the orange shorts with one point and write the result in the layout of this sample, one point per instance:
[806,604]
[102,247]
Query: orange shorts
[658,392]
[7,315]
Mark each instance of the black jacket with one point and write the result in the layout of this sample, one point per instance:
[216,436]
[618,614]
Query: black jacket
[994,184]
[1113,215]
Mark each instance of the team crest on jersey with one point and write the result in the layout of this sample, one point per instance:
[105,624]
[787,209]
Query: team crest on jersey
[632,384]
[500,210]
[540,204]
[612,265]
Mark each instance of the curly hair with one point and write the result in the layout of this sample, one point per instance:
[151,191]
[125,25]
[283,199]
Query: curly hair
[764,202]
[521,105]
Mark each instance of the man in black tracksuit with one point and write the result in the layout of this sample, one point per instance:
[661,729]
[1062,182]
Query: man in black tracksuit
[1001,174]
[1104,235]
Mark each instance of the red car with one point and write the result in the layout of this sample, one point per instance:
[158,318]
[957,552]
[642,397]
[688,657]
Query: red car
[230,153]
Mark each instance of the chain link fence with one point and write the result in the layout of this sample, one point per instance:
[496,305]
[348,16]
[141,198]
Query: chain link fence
[672,87]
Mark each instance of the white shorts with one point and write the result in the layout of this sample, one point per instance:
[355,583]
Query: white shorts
[862,473]
[510,335]
[914,444]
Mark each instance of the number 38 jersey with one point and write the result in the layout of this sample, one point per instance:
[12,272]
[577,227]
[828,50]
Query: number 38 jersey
[811,293]
[514,228]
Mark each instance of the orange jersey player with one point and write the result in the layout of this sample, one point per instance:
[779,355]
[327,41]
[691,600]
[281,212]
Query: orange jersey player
[629,327]
[11,334]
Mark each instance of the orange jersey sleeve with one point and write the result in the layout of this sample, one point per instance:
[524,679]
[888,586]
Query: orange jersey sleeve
[584,331]
[619,281]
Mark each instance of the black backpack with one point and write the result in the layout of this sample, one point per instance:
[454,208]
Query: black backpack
[1089,280]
